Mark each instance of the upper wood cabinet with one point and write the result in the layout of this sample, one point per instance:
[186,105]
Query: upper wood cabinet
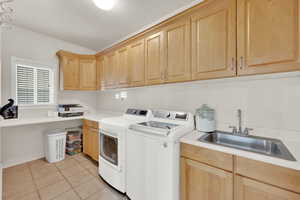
[199,181]
[177,51]
[248,189]
[154,59]
[214,40]
[77,72]
[69,71]
[268,36]
[110,70]
[123,67]
[100,68]
[137,63]
[88,74]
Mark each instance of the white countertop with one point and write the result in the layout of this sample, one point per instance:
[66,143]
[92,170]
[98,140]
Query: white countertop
[29,121]
[291,144]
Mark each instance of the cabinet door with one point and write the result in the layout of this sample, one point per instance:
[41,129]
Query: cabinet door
[95,144]
[214,40]
[248,189]
[88,74]
[154,59]
[137,63]
[199,181]
[177,51]
[123,67]
[87,141]
[71,70]
[110,70]
[100,69]
[268,36]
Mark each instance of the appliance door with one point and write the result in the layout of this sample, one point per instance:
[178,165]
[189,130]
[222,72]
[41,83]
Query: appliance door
[109,148]
[150,168]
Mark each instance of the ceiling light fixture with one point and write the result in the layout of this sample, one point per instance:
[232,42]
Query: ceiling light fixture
[104,4]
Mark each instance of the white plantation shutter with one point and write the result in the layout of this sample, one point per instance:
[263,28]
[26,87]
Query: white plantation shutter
[34,85]
[25,85]
[43,86]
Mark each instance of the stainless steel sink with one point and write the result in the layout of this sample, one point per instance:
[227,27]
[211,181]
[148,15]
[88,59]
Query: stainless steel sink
[266,146]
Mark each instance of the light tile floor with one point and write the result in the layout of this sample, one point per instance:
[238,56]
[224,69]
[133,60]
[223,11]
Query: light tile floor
[74,178]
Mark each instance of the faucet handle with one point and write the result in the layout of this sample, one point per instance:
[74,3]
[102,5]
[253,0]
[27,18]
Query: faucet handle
[234,129]
[247,130]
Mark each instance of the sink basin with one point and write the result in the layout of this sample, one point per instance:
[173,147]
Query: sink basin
[265,146]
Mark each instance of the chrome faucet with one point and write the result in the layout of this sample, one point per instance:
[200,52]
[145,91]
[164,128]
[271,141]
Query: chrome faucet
[239,130]
[240,121]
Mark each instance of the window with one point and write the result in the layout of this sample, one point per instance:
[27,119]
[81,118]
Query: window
[33,84]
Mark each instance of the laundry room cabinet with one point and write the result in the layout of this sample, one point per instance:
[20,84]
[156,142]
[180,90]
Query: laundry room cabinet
[200,181]
[110,70]
[214,40]
[137,63]
[208,174]
[268,38]
[77,72]
[91,139]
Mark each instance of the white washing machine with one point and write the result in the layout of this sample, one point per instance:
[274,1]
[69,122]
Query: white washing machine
[112,146]
[153,156]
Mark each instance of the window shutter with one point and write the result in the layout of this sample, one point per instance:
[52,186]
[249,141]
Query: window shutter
[43,86]
[25,85]
[34,85]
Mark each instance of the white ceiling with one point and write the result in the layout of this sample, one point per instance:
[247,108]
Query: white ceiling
[82,23]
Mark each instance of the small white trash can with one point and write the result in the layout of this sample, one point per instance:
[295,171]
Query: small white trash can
[55,146]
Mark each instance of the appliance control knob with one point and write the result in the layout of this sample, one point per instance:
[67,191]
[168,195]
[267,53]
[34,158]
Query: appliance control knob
[165,145]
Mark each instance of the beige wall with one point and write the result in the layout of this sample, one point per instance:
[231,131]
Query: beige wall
[267,101]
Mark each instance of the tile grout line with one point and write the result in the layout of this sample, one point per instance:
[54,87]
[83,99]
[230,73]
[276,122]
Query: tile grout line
[65,178]
[33,180]
[89,173]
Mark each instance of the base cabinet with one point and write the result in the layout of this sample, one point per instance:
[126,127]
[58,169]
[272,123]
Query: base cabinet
[248,189]
[200,181]
[91,139]
[202,178]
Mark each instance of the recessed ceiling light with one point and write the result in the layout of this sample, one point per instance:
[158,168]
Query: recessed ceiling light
[104,4]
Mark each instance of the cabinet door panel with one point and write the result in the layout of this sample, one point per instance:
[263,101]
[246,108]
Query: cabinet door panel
[214,40]
[71,71]
[154,59]
[268,36]
[123,67]
[137,63]
[88,74]
[87,145]
[95,144]
[248,189]
[177,51]
[100,70]
[110,70]
[199,181]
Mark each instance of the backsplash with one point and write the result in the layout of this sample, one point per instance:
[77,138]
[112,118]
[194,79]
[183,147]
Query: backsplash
[267,101]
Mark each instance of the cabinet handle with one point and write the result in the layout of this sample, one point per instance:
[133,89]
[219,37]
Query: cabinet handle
[242,62]
[232,64]
[166,72]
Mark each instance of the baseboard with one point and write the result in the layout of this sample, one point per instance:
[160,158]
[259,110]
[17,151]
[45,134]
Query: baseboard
[13,162]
